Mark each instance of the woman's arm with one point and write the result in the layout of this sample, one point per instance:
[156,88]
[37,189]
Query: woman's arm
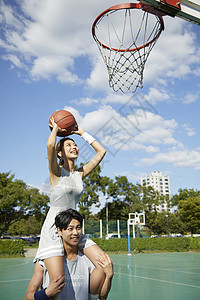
[93,163]
[54,168]
[100,152]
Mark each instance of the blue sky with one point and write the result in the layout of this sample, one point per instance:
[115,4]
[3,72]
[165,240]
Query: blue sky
[49,61]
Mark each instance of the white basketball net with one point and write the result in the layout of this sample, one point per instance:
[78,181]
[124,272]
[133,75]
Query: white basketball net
[125,38]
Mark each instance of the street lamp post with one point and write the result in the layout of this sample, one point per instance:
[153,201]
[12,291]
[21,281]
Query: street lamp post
[106,217]
[169,234]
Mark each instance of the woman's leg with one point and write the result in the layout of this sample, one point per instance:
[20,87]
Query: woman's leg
[55,268]
[92,253]
[101,277]
[96,278]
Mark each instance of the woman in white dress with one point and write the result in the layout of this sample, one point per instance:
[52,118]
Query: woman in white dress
[66,190]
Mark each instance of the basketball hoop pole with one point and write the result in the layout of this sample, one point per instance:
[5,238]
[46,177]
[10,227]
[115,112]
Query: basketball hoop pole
[134,230]
[129,238]
[130,222]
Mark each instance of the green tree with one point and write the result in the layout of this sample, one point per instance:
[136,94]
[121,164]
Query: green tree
[150,217]
[109,191]
[117,211]
[129,194]
[124,197]
[160,225]
[183,194]
[108,188]
[92,189]
[120,195]
[176,224]
[18,201]
[190,213]
[150,198]
[29,226]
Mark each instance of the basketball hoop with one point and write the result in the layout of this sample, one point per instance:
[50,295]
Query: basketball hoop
[136,219]
[125,35]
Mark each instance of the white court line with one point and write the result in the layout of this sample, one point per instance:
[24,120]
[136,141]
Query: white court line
[165,281]
[160,269]
[11,266]
[173,270]
[13,280]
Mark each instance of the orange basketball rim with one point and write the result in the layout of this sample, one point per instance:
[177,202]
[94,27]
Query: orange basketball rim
[125,35]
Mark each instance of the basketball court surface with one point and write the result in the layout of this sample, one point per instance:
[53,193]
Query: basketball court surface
[156,276]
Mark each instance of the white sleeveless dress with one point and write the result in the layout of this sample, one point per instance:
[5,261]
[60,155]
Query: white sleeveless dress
[64,195]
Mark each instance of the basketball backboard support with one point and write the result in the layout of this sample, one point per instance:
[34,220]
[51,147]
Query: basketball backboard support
[186,9]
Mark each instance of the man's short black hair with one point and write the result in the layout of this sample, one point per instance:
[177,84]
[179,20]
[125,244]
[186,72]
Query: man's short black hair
[64,218]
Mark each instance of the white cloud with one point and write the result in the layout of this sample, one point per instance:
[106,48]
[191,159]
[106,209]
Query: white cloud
[115,98]
[189,130]
[99,77]
[44,67]
[156,136]
[8,16]
[100,118]
[190,98]
[112,97]
[146,121]
[175,55]
[146,148]
[47,31]
[87,101]
[182,158]
[156,95]
[14,59]
[51,37]
[116,130]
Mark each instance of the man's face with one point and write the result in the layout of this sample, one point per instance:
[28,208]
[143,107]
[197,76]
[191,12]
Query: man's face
[72,233]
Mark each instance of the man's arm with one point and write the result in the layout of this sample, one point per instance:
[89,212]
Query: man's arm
[35,282]
[54,288]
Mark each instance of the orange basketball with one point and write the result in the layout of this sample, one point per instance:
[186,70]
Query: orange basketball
[65,120]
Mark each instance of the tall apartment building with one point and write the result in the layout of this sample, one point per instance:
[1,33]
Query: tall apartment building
[160,183]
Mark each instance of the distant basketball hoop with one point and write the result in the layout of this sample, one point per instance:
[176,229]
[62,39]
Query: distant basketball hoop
[125,35]
[133,220]
[137,218]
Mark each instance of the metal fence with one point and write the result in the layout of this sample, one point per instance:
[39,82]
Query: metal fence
[99,228]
